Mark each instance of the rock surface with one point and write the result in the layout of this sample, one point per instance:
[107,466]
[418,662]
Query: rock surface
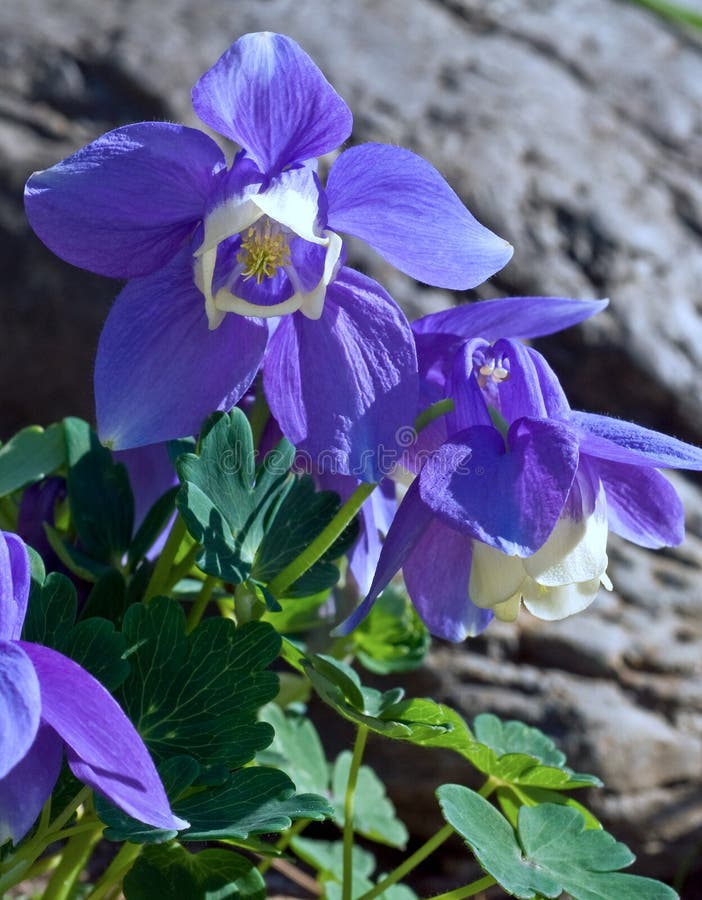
[574,129]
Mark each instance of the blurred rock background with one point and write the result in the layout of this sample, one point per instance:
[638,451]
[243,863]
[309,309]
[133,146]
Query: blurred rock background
[571,127]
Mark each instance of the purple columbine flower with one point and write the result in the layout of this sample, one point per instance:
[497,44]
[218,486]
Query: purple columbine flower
[515,491]
[48,703]
[214,249]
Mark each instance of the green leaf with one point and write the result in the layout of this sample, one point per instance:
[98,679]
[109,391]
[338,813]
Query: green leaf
[512,797]
[519,754]
[154,523]
[31,455]
[392,638]
[327,858]
[301,517]
[172,873]
[373,813]
[555,853]
[99,494]
[92,643]
[224,501]
[198,695]
[108,597]
[254,800]
[418,721]
[296,749]
[73,559]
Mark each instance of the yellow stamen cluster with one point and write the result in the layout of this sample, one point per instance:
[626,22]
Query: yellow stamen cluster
[262,253]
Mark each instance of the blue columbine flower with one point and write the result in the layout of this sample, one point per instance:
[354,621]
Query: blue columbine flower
[48,703]
[515,491]
[212,250]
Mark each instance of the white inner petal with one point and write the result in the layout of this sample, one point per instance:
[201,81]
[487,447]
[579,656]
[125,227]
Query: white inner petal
[494,576]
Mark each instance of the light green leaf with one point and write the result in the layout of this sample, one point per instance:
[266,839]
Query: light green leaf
[373,813]
[392,638]
[554,854]
[296,749]
[172,873]
[31,455]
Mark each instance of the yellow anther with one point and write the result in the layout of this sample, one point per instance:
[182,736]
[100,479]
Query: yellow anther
[262,253]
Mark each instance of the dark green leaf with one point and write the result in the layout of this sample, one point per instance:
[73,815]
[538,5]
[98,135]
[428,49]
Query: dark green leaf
[254,800]
[392,638]
[224,501]
[555,852]
[373,813]
[198,695]
[99,494]
[31,455]
[153,525]
[92,643]
[172,873]
[301,517]
[107,597]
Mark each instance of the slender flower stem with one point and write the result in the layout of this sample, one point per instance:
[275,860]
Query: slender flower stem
[322,542]
[200,604]
[410,863]
[68,810]
[435,411]
[183,567]
[166,560]
[283,843]
[116,871]
[358,748]
[75,856]
[467,890]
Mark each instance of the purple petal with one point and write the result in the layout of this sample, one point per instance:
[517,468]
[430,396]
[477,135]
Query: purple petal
[104,749]
[344,386]
[469,403]
[532,388]
[410,522]
[37,506]
[159,370]
[509,317]
[509,500]
[439,591]
[20,705]
[27,787]
[404,209]
[625,442]
[642,505]
[15,580]
[266,94]
[123,205]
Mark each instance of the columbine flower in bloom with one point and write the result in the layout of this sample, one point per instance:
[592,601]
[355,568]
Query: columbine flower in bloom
[515,502]
[212,250]
[48,703]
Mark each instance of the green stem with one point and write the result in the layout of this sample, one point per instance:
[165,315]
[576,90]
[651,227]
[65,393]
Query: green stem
[166,560]
[283,843]
[435,411]
[200,603]
[183,567]
[491,784]
[67,812]
[116,871]
[467,890]
[322,542]
[358,748]
[673,11]
[75,856]
[410,863]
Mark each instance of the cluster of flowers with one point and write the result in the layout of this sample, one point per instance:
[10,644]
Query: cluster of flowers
[237,266]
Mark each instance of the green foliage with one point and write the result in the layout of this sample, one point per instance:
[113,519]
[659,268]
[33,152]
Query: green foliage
[172,873]
[373,812]
[155,521]
[99,494]
[392,638]
[519,754]
[551,853]
[303,514]
[31,455]
[296,749]
[198,695]
[93,643]
[225,502]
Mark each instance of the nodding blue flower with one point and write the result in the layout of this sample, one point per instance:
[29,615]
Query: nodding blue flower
[213,249]
[49,703]
[515,492]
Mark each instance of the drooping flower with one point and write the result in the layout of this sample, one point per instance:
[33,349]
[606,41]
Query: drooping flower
[514,501]
[49,703]
[212,250]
